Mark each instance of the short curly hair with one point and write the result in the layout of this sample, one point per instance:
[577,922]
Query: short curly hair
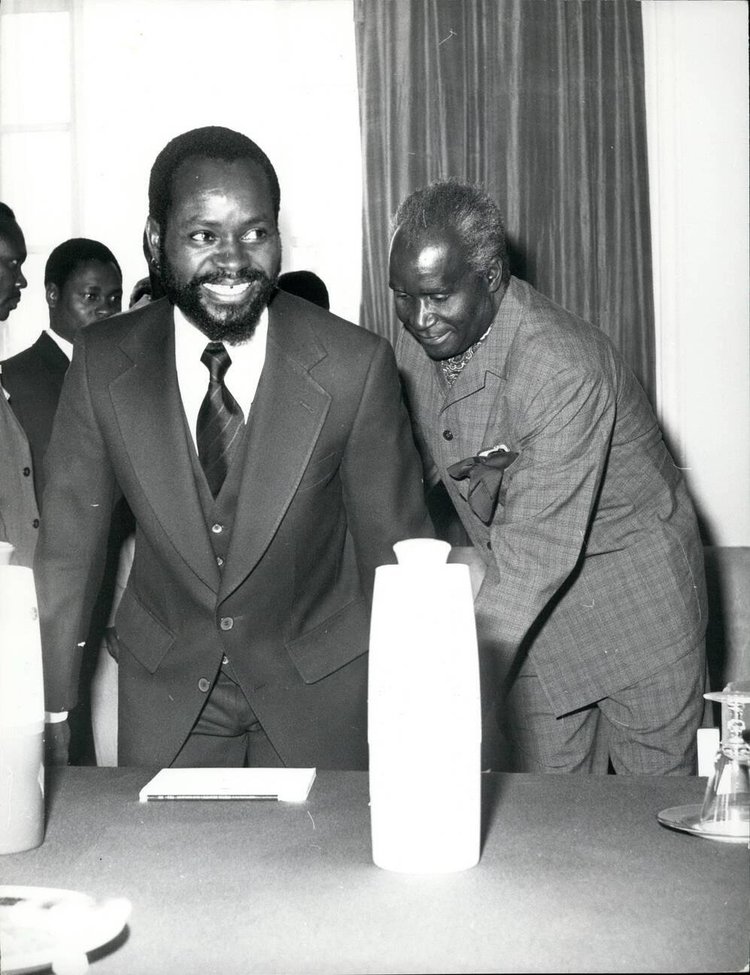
[66,257]
[211,142]
[463,207]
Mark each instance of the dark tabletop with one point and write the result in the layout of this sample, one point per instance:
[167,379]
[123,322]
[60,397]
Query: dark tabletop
[576,874]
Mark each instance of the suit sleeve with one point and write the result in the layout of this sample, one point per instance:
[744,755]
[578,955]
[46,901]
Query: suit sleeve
[538,534]
[76,515]
[382,472]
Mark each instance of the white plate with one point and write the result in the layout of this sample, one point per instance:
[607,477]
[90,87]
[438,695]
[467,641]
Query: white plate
[43,927]
[687,819]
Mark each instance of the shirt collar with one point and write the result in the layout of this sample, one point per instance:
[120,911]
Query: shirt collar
[190,341]
[453,366]
[65,346]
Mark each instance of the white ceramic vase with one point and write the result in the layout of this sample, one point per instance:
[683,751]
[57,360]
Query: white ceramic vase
[21,713]
[424,714]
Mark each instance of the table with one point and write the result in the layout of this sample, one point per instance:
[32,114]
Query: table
[576,874]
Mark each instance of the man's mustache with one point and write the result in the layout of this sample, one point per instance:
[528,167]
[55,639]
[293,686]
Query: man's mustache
[245,276]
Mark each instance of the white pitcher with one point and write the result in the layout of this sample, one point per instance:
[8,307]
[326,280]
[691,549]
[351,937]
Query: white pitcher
[424,714]
[21,713]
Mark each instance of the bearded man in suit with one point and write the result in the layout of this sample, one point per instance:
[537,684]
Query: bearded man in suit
[592,609]
[264,496]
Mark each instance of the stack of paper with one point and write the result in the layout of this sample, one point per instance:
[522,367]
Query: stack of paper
[286,784]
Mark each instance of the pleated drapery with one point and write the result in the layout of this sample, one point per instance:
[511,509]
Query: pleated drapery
[542,103]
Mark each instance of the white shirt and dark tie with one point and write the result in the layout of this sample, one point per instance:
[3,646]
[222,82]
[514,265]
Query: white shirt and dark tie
[192,375]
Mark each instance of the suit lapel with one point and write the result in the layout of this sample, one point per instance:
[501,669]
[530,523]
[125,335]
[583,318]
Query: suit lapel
[286,418]
[147,402]
[51,354]
[487,367]
[477,398]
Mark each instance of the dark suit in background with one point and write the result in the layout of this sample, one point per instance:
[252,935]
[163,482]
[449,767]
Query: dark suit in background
[33,379]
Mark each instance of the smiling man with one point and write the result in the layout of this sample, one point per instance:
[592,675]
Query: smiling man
[268,460]
[592,611]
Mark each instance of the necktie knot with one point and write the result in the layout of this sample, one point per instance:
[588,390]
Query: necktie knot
[217,360]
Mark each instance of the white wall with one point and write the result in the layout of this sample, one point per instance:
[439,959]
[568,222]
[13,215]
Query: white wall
[697,102]
[281,71]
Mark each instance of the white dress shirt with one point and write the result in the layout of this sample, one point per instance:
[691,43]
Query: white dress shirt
[65,346]
[241,378]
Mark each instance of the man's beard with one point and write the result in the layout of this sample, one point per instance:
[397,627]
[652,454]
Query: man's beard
[233,323]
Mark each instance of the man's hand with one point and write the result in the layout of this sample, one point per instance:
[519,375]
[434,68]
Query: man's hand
[56,743]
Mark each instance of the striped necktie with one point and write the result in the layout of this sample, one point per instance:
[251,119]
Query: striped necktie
[220,419]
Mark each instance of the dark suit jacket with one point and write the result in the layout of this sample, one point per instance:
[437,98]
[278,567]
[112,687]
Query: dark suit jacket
[34,379]
[594,560]
[331,480]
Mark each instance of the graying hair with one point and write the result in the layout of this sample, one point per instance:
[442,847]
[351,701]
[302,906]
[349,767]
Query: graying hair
[463,207]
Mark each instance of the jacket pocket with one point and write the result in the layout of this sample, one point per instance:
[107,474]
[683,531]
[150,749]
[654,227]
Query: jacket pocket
[141,633]
[321,470]
[332,644]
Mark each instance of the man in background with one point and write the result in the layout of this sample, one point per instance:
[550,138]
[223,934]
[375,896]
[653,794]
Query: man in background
[592,611]
[264,450]
[83,286]
[307,285]
[19,514]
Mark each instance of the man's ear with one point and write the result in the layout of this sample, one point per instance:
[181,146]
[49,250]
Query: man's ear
[153,236]
[52,294]
[495,275]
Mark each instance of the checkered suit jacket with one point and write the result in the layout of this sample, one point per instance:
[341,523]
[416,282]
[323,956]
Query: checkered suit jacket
[594,561]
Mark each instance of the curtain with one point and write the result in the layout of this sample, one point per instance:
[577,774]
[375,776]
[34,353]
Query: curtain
[542,103]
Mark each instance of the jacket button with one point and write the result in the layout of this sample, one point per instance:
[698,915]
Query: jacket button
[26,471]
[217,529]
[226,622]
[203,684]
[219,561]
[35,523]
[447,435]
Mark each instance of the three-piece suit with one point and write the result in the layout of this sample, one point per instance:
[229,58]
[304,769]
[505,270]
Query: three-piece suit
[594,563]
[275,574]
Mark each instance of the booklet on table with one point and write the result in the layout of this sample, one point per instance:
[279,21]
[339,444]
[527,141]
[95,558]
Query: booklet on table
[284,784]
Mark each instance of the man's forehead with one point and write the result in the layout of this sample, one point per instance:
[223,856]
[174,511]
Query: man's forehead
[433,252]
[92,269]
[204,174]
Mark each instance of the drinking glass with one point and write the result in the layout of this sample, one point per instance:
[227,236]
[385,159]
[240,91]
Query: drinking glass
[726,804]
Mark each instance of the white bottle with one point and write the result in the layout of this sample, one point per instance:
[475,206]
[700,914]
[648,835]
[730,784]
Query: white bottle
[21,713]
[424,714]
